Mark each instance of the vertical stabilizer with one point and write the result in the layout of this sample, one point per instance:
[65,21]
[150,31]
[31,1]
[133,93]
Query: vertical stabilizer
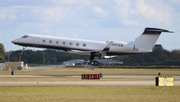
[148,38]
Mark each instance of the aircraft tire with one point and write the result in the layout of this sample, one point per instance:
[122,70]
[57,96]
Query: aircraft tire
[96,63]
[92,63]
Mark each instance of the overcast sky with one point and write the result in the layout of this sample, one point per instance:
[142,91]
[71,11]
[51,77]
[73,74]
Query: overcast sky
[103,20]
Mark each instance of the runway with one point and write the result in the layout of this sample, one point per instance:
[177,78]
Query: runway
[84,82]
[73,76]
[109,83]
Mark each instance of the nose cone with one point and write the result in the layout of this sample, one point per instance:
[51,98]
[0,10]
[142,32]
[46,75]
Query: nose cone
[15,41]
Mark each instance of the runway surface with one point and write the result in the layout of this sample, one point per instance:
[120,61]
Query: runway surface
[73,76]
[85,82]
[109,83]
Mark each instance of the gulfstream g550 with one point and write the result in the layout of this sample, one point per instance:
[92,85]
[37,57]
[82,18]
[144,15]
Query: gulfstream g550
[142,44]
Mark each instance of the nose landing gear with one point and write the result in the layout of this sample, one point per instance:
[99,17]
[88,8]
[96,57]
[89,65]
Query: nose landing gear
[21,53]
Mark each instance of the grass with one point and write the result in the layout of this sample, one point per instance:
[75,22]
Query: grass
[89,94]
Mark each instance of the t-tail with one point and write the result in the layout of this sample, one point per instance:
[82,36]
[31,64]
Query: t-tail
[146,41]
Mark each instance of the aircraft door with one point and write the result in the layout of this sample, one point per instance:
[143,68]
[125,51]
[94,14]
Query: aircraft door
[36,41]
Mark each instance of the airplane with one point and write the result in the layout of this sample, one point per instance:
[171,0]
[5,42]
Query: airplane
[95,49]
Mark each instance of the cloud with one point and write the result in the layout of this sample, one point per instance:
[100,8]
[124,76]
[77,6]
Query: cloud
[176,1]
[32,25]
[123,8]
[139,13]
[131,22]
[126,13]
[150,12]
[55,14]
[7,14]
[72,2]
[99,11]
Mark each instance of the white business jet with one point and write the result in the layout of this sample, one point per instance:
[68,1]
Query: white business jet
[95,49]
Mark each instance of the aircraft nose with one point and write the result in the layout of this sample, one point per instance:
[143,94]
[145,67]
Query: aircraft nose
[15,41]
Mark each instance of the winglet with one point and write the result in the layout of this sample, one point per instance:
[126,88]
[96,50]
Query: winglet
[107,47]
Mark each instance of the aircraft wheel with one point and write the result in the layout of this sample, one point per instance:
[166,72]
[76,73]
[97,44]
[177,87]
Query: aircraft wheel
[96,63]
[92,63]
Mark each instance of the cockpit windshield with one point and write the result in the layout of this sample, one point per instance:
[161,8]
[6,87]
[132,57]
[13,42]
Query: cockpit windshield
[25,36]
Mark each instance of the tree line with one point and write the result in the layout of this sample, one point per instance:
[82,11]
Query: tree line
[47,56]
[159,56]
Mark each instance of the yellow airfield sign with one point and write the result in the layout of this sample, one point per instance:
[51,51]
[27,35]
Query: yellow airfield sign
[166,81]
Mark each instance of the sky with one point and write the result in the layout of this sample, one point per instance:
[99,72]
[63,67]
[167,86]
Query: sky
[121,20]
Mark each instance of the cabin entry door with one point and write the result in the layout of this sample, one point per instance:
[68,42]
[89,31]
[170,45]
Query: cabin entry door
[36,41]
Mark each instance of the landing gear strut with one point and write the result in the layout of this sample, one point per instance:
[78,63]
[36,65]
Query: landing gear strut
[22,52]
[24,48]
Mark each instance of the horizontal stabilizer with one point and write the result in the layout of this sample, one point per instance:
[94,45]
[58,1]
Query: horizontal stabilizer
[155,31]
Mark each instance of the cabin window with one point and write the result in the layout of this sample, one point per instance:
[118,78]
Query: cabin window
[70,43]
[64,43]
[50,41]
[84,45]
[77,44]
[44,41]
[57,42]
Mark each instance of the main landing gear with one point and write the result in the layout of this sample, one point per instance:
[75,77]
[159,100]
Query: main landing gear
[94,63]
[93,58]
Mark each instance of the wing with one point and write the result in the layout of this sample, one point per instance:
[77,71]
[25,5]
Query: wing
[107,47]
[103,51]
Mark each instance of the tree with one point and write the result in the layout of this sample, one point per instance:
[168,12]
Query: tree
[2,52]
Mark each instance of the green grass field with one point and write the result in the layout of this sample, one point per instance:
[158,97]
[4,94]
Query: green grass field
[89,94]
